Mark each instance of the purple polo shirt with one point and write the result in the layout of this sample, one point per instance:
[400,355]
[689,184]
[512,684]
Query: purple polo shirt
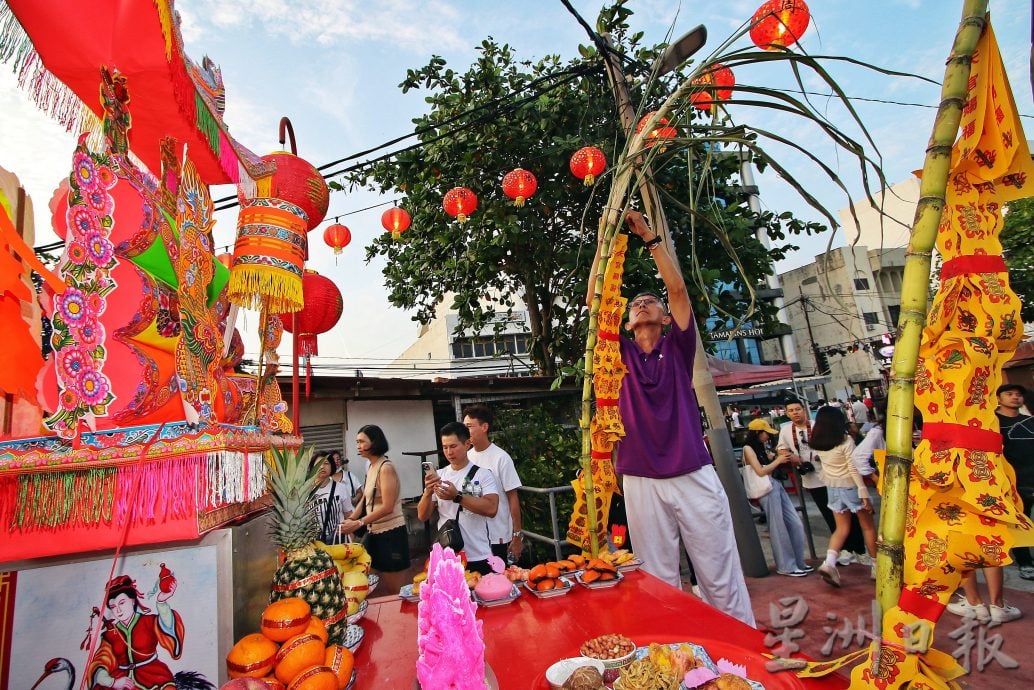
[663,435]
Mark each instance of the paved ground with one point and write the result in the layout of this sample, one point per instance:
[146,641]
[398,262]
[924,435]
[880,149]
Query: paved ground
[834,615]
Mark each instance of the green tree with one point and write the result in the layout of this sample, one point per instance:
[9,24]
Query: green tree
[1018,249]
[503,113]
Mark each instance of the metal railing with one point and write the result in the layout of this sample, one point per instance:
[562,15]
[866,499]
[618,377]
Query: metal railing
[551,493]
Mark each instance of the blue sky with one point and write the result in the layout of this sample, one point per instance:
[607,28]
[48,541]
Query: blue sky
[333,67]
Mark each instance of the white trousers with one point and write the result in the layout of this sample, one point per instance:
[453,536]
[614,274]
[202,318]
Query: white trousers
[694,507]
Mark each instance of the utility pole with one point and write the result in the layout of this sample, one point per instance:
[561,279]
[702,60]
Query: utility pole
[752,558]
[819,368]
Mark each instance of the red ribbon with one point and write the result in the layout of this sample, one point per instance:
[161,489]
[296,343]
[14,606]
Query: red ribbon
[920,606]
[609,335]
[972,263]
[944,435]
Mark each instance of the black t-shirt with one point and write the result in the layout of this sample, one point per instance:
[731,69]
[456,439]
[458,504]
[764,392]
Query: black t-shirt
[1018,447]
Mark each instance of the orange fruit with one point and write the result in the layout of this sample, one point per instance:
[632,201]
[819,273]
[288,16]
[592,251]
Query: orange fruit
[314,678]
[318,628]
[537,573]
[577,559]
[552,571]
[546,585]
[298,652]
[253,656]
[590,576]
[285,618]
[340,660]
[565,565]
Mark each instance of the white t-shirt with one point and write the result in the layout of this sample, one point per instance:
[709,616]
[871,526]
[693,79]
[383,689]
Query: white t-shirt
[473,527]
[797,441]
[874,440]
[340,507]
[500,528]
[861,412]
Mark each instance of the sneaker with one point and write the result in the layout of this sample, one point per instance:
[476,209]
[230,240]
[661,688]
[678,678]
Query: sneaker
[960,607]
[845,558]
[829,574]
[1027,572]
[793,573]
[864,559]
[806,569]
[1004,613]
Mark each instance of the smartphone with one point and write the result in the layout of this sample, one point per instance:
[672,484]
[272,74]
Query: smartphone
[429,469]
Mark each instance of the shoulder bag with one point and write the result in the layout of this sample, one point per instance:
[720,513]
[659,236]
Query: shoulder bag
[449,535]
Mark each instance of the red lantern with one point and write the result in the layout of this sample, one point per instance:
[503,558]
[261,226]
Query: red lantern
[587,163]
[661,130]
[460,202]
[716,83]
[299,183]
[779,23]
[337,236]
[396,221]
[322,310]
[519,185]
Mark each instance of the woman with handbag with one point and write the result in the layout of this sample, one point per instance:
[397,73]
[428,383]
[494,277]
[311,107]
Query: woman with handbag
[380,511]
[785,530]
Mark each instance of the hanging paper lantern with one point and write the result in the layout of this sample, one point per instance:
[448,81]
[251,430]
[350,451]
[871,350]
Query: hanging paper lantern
[298,182]
[226,259]
[587,163]
[661,130]
[779,24]
[322,310]
[715,84]
[460,202]
[519,185]
[337,236]
[396,221]
[268,256]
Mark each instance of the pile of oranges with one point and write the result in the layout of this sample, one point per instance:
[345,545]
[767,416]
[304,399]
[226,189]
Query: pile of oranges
[291,652]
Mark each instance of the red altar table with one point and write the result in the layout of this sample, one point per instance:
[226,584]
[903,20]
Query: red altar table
[524,638]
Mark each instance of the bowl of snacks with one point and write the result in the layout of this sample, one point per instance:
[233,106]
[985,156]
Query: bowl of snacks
[644,674]
[560,675]
[615,651]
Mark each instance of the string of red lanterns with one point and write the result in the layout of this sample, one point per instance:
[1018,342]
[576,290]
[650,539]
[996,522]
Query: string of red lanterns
[779,24]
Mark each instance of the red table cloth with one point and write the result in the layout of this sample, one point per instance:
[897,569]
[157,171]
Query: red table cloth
[524,638]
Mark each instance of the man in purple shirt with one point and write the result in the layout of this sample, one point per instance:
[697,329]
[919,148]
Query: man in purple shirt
[669,482]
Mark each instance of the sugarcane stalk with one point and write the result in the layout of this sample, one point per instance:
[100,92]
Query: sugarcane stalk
[914,296]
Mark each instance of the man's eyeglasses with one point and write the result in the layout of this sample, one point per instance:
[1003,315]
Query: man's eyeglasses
[642,302]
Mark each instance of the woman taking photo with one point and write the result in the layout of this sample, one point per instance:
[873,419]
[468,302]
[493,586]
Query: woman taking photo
[380,511]
[847,491]
[785,529]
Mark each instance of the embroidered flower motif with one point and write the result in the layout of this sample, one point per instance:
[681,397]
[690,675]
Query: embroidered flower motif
[76,253]
[94,387]
[106,177]
[72,363]
[99,200]
[90,332]
[96,304]
[83,220]
[72,304]
[100,249]
[69,400]
[84,172]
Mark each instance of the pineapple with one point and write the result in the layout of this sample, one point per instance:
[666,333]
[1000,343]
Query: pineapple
[291,482]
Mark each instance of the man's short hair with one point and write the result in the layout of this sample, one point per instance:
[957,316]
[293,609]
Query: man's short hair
[455,429]
[793,401]
[1006,387]
[482,413]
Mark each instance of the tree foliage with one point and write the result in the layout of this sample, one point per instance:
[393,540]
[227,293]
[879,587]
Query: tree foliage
[1018,250]
[504,112]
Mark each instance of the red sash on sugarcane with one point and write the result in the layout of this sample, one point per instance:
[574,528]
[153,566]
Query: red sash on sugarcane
[606,427]
[963,509]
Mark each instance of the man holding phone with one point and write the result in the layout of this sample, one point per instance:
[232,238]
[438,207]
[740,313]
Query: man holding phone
[463,492]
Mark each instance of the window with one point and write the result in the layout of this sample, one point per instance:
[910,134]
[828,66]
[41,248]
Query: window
[871,318]
[489,346]
[895,312]
[861,283]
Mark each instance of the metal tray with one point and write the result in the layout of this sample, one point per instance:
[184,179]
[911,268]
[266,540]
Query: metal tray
[515,593]
[407,593]
[601,584]
[629,566]
[551,593]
